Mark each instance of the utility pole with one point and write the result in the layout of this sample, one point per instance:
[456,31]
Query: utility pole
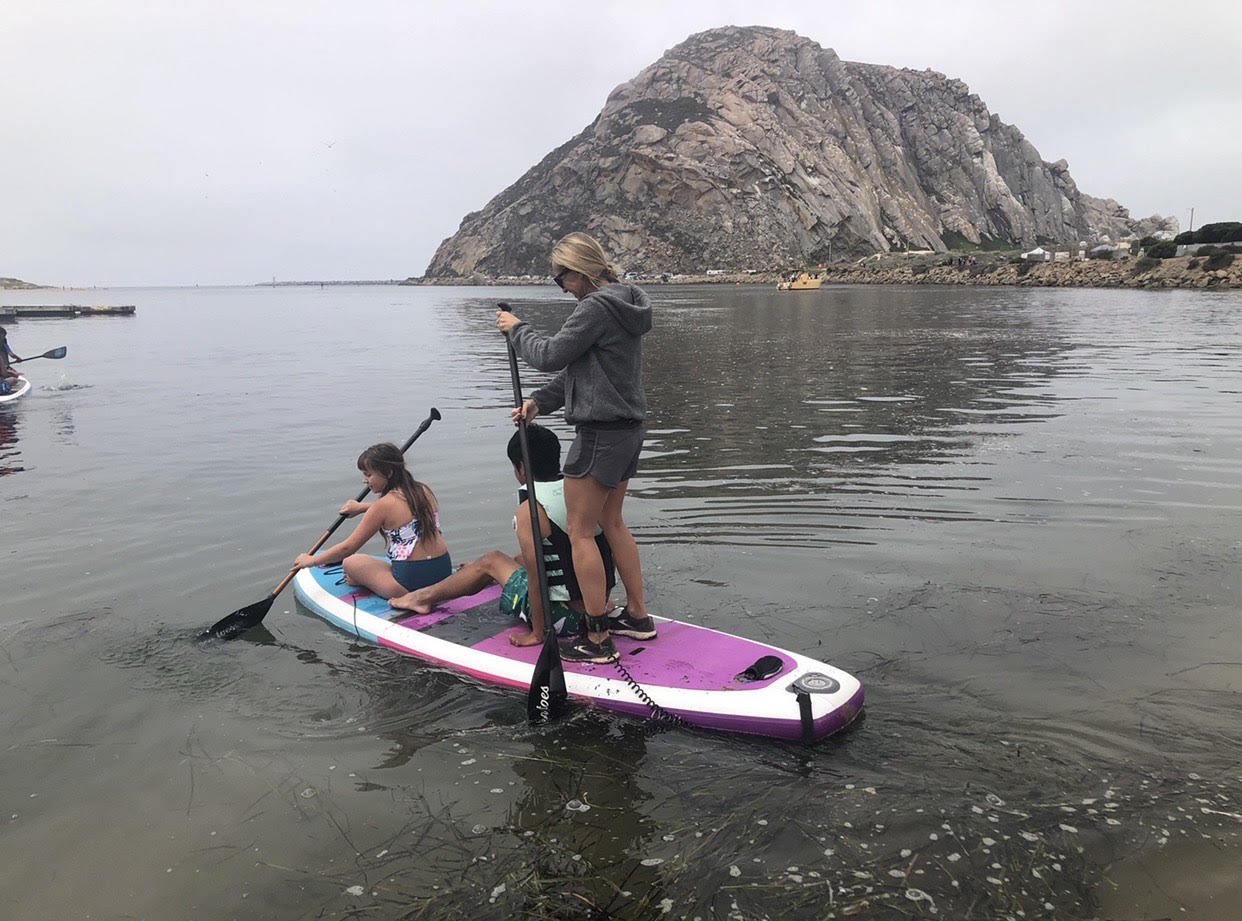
[1192,220]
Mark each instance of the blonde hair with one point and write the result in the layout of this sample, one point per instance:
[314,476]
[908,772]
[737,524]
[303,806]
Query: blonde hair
[582,253]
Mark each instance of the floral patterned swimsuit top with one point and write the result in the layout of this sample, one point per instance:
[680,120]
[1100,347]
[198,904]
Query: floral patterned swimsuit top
[402,541]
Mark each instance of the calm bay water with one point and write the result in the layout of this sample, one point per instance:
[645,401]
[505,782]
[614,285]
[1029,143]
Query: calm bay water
[1016,515]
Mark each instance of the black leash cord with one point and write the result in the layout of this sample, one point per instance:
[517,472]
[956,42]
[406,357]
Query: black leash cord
[656,710]
[340,567]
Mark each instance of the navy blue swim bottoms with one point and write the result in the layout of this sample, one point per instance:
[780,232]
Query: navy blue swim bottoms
[416,574]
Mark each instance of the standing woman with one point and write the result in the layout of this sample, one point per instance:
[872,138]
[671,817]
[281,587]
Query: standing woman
[599,354]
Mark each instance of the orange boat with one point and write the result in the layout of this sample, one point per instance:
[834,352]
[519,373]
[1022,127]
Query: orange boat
[803,282]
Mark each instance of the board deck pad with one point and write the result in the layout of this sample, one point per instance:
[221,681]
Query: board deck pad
[691,671]
[676,658]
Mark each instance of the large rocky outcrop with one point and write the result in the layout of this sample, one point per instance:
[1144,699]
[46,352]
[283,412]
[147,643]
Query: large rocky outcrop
[757,148]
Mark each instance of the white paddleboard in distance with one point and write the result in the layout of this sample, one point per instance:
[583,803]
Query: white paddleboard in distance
[20,388]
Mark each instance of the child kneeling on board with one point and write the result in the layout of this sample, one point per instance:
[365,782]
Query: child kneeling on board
[517,598]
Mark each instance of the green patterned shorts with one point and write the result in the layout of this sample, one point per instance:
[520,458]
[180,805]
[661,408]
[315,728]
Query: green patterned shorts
[515,602]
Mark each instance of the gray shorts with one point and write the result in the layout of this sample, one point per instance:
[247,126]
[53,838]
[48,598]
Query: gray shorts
[608,454]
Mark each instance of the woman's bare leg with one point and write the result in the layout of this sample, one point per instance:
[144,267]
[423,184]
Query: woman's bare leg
[624,551]
[585,498]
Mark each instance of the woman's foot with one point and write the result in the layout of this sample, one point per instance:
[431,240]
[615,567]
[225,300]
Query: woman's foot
[627,624]
[583,649]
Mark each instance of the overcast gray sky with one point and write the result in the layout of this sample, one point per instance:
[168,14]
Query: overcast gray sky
[147,142]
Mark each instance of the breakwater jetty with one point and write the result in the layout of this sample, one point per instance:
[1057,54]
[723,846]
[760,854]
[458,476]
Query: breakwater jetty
[25,311]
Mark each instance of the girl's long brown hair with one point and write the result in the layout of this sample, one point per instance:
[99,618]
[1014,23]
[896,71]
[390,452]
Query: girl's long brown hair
[386,460]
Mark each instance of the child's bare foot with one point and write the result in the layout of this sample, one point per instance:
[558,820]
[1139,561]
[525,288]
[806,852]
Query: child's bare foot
[525,639]
[413,601]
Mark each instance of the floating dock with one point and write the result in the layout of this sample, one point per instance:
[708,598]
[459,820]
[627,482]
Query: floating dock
[64,310]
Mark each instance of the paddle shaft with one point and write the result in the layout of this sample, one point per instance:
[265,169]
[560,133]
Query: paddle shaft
[536,532]
[340,519]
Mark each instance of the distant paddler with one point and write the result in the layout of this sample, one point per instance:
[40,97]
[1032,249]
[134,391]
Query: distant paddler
[8,374]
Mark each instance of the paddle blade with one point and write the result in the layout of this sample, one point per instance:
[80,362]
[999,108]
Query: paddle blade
[239,621]
[59,352]
[547,697]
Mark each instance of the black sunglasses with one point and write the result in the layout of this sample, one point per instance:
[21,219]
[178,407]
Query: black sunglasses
[559,278]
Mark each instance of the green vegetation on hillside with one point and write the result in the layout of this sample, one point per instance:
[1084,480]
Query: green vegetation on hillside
[1227,232]
[1221,232]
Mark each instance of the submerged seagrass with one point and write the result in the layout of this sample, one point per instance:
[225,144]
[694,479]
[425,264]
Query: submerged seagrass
[754,148]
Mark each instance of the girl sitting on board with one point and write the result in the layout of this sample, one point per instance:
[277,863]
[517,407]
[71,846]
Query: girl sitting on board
[408,516]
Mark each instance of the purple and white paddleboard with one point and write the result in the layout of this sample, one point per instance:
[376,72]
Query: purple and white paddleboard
[692,673]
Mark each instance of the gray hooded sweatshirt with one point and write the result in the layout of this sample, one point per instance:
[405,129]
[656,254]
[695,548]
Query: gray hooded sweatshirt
[599,352]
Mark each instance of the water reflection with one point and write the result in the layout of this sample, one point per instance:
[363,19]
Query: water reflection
[844,384]
[65,427]
[10,453]
[582,825]
[810,421]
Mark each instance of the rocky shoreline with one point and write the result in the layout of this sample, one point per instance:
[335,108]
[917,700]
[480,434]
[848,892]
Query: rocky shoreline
[1158,274]
[1182,272]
